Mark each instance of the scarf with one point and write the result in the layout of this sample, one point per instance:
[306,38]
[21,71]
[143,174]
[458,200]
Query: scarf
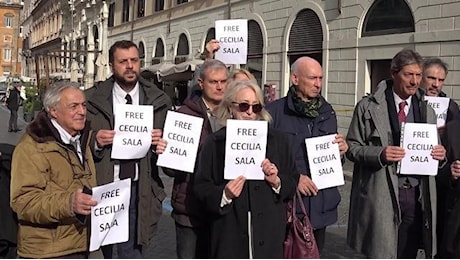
[307,109]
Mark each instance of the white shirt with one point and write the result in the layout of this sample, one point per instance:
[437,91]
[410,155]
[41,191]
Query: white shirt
[66,137]
[118,96]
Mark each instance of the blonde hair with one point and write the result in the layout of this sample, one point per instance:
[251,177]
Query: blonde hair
[224,109]
[235,72]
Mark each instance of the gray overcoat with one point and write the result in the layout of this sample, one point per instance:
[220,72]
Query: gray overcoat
[374,215]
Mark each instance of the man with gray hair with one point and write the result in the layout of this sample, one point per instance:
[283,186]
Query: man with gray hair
[52,163]
[391,215]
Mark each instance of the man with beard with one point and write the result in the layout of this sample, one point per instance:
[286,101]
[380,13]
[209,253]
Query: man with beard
[126,87]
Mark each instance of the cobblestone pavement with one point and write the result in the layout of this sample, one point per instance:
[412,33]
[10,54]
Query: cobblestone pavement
[163,244]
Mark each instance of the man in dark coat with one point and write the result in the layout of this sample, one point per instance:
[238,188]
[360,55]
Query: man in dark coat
[304,113]
[434,75]
[147,194]
[13,105]
[191,235]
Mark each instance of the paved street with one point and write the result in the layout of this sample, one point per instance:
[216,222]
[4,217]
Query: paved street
[163,244]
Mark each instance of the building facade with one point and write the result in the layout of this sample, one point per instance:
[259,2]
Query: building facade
[65,39]
[11,38]
[354,40]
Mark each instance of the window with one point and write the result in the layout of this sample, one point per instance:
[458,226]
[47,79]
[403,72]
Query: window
[159,5]
[388,17]
[8,20]
[141,54]
[111,15]
[140,8]
[181,1]
[7,54]
[125,17]
[9,1]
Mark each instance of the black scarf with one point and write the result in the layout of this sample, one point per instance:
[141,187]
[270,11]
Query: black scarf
[307,109]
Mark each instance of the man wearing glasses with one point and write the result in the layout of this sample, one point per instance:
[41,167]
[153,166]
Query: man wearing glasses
[191,233]
[51,164]
[304,113]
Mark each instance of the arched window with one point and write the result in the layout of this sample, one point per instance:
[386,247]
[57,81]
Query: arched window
[141,54]
[306,37]
[388,17]
[8,20]
[255,50]
[182,49]
[159,52]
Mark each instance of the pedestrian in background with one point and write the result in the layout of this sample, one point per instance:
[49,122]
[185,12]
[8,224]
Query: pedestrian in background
[51,164]
[192,234]
[228,202]
[13,101]
[391,215]
[126,87]
[304,113]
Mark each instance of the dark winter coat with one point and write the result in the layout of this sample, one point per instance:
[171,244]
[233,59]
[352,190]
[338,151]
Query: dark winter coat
[151,192]
[229,224]
[187,211]
[322,208]
[375,215]
[13,99]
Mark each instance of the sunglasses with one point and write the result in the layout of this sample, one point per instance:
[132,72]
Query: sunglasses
[243,107]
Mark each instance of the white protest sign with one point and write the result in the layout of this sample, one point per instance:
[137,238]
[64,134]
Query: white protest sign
[324,160]
[245,149]
[418,140]
[440,106]
[182,132]
[233,39]
[110,217]
[133,131]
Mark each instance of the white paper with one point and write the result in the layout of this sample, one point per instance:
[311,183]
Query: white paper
[440,106]
[133,131]
[418,140]
[182,132]
[245,149]
[324,160]
[110,217]
[233,40]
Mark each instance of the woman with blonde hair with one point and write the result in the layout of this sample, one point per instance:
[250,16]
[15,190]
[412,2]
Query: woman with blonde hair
[247,218]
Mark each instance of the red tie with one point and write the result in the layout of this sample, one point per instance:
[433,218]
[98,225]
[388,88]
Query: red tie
[401,115]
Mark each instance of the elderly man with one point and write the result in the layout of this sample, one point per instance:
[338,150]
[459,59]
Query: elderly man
[304,113]
[391,215]
[51,165]
[126,87]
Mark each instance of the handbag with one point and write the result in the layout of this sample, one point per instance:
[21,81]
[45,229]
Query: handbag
[299,242]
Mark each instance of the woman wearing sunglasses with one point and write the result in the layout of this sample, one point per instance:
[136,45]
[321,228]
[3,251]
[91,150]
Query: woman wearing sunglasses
[228,202]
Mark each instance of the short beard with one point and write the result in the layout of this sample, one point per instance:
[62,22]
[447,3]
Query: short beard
[123,83]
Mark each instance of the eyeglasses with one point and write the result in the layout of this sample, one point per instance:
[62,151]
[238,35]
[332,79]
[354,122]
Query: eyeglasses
[243,107]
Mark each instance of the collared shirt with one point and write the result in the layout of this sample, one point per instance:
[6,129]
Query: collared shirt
[118,96]
[67,138]
[399,100]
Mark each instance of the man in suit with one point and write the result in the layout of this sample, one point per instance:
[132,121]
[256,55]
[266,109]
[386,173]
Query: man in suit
[390,214]
[147,194]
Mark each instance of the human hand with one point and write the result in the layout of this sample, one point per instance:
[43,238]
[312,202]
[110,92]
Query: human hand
[234,187]
[211,47]
[306,186]
[438,152]
[343,146]
[156,136]
[82,202]
[271,173]
[161,146]
[455,169]
[104,137]
[393,154]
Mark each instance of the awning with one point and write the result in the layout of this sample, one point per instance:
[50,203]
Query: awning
[152,71]
[179,72]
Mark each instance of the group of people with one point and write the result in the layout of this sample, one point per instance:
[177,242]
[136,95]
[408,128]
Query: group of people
[69,145]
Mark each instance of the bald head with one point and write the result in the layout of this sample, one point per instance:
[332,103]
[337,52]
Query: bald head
[307,76]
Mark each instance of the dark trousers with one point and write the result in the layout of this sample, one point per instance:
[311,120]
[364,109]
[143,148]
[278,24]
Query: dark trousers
[320,238]
[411,229]
[129,249]
[192,242]
[13,123]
